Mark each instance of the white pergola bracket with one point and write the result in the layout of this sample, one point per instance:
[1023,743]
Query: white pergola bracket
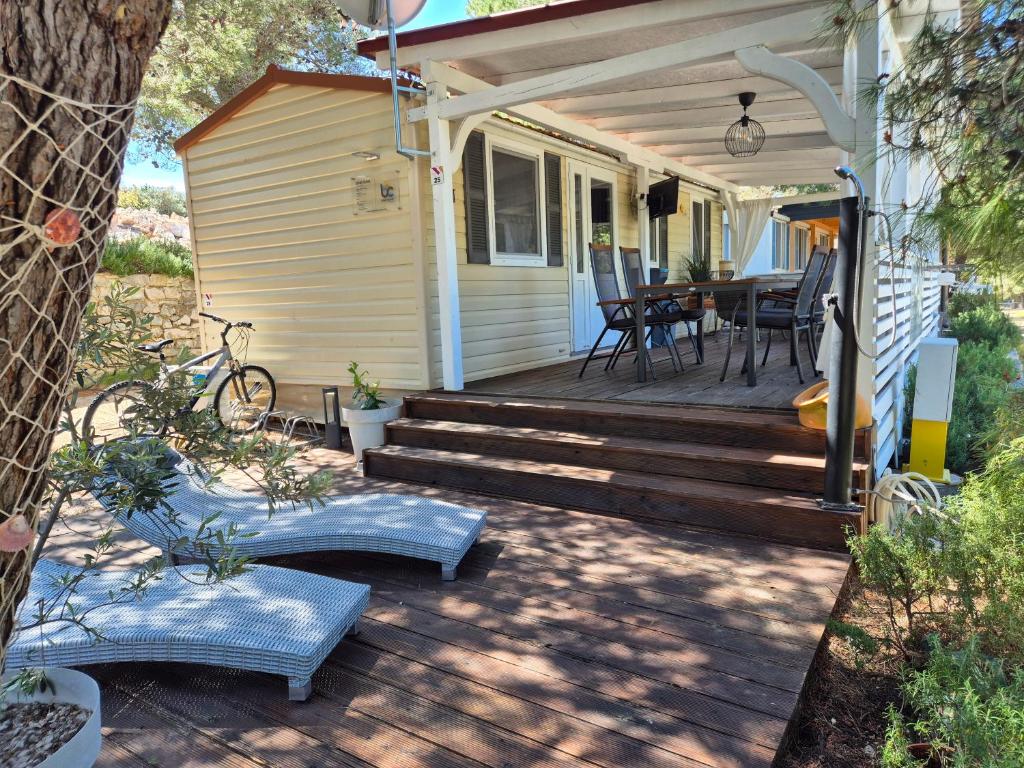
[758,60]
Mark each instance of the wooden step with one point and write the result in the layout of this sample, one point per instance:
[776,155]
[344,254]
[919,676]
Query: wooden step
[745,466]
[744,428]
[767,514]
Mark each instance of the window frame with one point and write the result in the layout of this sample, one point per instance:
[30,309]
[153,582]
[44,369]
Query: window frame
[777,223]
[795,241]
[658,244]
[516,149]
[706,212]
[726,237]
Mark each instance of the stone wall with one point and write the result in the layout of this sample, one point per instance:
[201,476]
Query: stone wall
[170,300]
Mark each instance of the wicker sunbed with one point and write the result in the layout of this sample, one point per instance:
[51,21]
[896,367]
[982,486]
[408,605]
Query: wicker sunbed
[267,619]
[413,526]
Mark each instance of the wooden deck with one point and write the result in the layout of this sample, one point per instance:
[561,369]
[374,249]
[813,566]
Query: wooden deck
[569,639]
[777,382]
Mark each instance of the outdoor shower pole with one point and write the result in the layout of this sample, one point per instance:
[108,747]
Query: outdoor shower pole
[842,384]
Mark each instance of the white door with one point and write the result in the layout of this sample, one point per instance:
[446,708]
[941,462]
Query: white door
[591,220]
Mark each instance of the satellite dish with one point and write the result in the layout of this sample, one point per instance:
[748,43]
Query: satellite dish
[374,13]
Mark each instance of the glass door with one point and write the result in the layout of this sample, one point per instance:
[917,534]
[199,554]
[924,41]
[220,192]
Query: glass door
[592,220]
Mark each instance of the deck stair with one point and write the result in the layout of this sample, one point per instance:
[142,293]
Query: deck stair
[750,472]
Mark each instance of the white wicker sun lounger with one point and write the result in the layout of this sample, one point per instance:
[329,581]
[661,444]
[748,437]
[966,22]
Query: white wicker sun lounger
[268,619]
[397,524]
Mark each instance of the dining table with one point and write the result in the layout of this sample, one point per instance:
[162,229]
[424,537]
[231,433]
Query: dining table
[680,291]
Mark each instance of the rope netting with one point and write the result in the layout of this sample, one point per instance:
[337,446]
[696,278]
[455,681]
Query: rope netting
[60,165]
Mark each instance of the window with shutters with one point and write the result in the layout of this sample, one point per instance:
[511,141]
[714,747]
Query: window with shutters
[514,206]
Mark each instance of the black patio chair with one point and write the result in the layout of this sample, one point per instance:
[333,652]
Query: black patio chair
[617,311]
[797,319]
[670,307]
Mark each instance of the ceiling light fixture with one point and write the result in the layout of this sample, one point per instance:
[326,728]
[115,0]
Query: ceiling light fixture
[745,137]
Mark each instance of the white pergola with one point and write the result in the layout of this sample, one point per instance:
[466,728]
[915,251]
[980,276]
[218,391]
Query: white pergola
[655,82]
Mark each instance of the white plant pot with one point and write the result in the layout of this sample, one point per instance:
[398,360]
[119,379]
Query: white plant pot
[366,428]
[72,687]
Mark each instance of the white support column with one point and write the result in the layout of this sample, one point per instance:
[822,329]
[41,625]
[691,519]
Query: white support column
[643,185]
[867,66]
[443,194]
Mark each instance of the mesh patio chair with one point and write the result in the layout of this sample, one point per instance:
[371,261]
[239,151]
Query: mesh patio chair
[825,261]
[617,311]
[632,269]
[795,319]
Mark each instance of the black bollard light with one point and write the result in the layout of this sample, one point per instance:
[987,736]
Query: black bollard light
[332,418]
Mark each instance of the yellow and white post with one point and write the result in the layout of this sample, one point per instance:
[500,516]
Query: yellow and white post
[933,408]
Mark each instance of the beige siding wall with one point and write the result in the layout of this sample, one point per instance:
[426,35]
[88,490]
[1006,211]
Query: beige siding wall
[278,242]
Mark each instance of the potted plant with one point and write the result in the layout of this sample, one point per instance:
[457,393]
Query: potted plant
[699,269]
[368,414]
[54,718]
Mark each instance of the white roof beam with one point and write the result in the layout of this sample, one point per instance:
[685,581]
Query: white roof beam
[433,71]
[765,113]
[584,26]
[652,137]
[811,53]
[775,178]
[698,152]
[697,94]
[780,30]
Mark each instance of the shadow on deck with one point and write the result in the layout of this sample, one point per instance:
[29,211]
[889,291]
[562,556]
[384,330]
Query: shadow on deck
[569,639]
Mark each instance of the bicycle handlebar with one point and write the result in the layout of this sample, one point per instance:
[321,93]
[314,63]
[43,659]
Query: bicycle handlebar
[228,323]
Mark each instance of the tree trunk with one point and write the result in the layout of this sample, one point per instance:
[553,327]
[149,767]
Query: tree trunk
[92,52]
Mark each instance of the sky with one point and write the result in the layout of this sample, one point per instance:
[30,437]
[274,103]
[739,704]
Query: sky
[142,172]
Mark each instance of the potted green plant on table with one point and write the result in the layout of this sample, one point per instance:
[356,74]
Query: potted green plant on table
[368,414]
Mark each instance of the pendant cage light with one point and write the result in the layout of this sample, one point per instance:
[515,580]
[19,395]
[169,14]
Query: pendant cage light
[745,137]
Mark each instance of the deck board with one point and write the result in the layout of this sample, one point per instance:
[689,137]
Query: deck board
[697,384]
[569,639]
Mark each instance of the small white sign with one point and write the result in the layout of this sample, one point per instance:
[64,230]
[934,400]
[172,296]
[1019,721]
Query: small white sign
[207,300]
[376,193]
[437,174]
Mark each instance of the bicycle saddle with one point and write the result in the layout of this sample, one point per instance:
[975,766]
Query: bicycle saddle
[153,346]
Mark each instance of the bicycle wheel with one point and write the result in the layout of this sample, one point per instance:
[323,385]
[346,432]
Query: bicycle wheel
[114,413]
[245,397]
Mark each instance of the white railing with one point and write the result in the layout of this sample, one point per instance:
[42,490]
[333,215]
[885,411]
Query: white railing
[915,315]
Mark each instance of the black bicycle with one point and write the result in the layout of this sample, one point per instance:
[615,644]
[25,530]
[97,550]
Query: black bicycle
[241,399]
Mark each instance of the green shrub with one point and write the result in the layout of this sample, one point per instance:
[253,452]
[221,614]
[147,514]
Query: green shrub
[965,302]
[968,706]
[958,573]
[141,256]
[986,325]
[165,200]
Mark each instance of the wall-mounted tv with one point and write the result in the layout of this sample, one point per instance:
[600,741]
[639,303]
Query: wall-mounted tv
[663,198]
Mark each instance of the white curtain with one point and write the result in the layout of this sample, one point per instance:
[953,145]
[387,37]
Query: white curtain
[747,219]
